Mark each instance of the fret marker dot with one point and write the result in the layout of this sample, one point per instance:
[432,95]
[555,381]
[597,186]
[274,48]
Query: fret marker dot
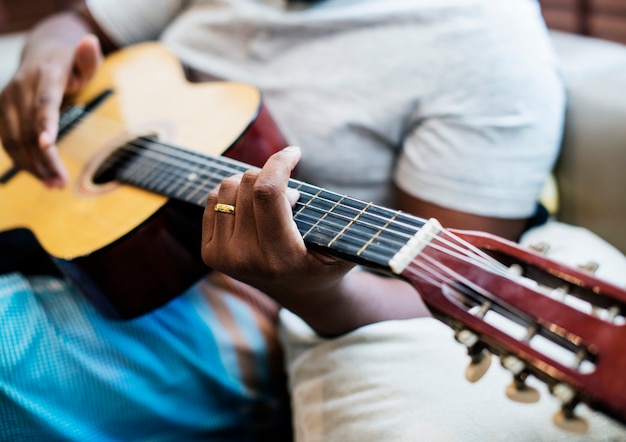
[192,176]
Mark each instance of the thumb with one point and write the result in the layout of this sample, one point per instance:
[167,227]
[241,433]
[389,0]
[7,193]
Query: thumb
[86,61]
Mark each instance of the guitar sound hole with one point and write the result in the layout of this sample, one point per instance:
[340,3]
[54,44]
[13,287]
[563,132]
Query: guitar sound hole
[105,175]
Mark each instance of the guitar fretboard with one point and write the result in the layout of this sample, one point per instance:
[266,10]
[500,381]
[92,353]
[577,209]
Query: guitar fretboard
[342,225]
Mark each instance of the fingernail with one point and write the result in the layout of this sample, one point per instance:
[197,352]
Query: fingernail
[56,183]
[45,139]
[292,196]
[292,149]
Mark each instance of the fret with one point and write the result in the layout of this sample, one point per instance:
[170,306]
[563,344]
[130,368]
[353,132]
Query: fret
[408,225]
[177,179]
[135,169]
[376,236]
[208,177]
[165,173]
[351,227]
[299,214]
[189,179]
[347,226]
[146,172]
[170,171]
[379,226]
[314,212]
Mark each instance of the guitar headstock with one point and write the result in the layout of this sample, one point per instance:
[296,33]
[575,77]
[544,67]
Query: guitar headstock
[542,318]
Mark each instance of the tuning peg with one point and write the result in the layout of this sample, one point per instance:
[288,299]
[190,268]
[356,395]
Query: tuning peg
[590,267]
[519,391]
[541,247]
[514,364]
[565,418]
[613,313]
[478,366]
[480,358]
[569,422]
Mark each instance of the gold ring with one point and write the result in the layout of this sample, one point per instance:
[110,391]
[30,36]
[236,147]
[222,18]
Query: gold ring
[224,208]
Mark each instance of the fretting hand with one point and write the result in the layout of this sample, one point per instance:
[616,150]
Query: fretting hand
[259,243]
[249,234]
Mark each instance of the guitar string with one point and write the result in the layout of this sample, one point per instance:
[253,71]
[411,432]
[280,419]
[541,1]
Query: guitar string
[463,249]
[405,237]
[359,222]
[181,155]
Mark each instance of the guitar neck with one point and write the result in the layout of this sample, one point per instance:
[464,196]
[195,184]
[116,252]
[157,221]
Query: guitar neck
[359,231]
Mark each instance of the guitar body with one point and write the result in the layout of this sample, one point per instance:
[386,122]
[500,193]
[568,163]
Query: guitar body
[132,250]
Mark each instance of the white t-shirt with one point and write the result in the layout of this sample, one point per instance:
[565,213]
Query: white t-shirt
[456,101]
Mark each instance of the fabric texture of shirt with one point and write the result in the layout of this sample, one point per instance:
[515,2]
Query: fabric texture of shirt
[459,101]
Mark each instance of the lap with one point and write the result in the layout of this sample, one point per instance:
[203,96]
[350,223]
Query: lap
[205,365]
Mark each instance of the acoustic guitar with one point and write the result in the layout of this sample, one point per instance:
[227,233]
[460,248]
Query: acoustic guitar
[127,231]
[132,248]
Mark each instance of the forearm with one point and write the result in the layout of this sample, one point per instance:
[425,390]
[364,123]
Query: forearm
[62,31]
[360,298]
[65,30]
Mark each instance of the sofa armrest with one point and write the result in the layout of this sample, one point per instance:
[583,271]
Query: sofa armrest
[591,171]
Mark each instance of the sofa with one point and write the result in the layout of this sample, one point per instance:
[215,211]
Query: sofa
[590,173]
[597,18]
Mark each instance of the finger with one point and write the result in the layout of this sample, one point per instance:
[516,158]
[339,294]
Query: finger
[47,102]
[48,97]
[86,61]
[12,139]
[293,195]
[55,173]
[272,208]
[246,223]
[9,127]
[225,222]
[208,219]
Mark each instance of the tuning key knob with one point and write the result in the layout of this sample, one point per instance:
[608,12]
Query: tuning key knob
[541,247]
[567,421]
[479,365]
[480,358]
[565,418]
[519,391]
[590,267]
